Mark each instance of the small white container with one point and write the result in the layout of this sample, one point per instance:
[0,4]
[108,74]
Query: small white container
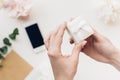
[79,29]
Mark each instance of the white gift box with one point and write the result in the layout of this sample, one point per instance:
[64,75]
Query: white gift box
[40,73]
[79,29]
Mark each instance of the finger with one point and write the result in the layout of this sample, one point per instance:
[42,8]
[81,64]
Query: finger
[97,36]
[59,36]
[61,30]
[53,35]
[77,49]
[47,40]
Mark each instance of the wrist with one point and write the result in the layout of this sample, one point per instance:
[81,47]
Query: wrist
[62,78]
[115,60]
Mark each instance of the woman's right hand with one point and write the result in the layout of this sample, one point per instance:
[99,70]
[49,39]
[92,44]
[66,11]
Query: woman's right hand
[100,48]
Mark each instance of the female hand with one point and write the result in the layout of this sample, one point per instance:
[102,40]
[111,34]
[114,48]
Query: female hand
[64,67]
[101,49]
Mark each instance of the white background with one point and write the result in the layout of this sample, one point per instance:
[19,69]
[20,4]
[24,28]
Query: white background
[49,14]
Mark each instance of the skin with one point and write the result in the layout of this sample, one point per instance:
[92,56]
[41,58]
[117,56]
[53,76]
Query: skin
[99,48]
[96,46]
[64,67]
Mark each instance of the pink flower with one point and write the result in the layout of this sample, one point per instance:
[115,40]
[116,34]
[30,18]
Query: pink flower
[18,8]
[11,4]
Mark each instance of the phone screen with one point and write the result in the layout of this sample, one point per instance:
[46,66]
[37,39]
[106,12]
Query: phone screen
[35,35]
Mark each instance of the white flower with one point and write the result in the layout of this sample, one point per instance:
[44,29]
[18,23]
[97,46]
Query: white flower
[18,8]
[110,11]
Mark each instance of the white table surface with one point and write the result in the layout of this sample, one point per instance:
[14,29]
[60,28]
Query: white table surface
[49,14]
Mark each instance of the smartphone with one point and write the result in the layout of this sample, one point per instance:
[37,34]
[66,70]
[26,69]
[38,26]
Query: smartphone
[35,37]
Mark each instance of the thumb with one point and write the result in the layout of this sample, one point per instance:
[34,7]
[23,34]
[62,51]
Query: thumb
[77,49]
[97,36]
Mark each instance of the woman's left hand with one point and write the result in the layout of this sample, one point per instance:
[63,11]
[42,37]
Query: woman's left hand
[64,67]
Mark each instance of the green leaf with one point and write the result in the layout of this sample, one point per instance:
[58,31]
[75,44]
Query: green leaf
[1,57]
[12,36]
[7,42]
[16,31]
[4,49]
